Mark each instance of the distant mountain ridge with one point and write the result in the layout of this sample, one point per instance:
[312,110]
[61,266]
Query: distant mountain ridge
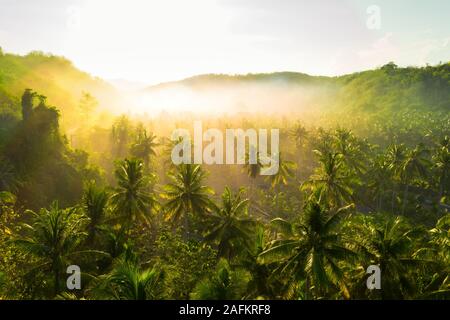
[387,89]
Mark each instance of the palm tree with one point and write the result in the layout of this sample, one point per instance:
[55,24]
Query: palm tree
[331,179]
[95,205]
[120,136]
[131,198]
[53,238]
[225,284]
[395,156]
[299,134]
[186,194]
[348,147]
[311,249]
[231,226]
[441,162]
[127,281]
[261,284]
[253,169]
[168,146]
[285,172]
[379,177]
[144,146]
[389,246]
[415,165]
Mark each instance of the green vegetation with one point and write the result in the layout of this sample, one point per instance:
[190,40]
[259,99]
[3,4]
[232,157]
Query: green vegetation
[363,180]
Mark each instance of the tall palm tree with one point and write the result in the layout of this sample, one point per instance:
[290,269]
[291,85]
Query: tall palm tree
[347,146]
[415,165]
[299,134]
[390,246]
[120,136]
[127,281]
[225,284]
[311,249]
[186,194]
[144,146]
[53,238]
[379,180]
[168,146]
[331,179]
[261,284]
[253,169]
[95,205]
[441,163]
[395,156]
[285,172]
[231,227]
[131,198]
[438,251]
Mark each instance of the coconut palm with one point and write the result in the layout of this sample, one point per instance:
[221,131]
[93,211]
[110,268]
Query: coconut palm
[225,284]
[395,156]
[389,245]
[346,144]
[299,134]
[231,227]
[53,238]
[311,250]
[95,205]
[379,180]
[127,281]
[253,169]
[186,194]
[131,198]
[415,165]
[262,282]
[441,163]
[331,179]
[144,146]
[120,136]
[286,171]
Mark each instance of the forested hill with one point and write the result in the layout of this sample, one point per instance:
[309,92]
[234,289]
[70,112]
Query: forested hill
[386,89]
[55,77]
[382,91]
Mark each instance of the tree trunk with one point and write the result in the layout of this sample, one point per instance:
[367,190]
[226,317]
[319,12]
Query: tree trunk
[57,284]
[405,197]
[306,288]
[392,200]
[186,226]
[379,202]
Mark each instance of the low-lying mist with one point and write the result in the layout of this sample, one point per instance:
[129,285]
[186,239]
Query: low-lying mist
[272,97]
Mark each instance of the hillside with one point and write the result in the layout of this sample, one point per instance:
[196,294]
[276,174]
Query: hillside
[387,89]
[53,76]
[382,91]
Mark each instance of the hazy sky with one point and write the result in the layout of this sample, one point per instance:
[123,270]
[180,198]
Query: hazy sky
[158,40]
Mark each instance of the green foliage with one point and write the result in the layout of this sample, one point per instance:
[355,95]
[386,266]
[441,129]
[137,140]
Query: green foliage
[131,198]
[186,194]
[186,262]
[225,284]
[380,148]
[52,238]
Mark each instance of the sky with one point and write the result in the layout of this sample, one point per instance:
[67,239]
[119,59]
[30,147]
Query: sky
[152,41]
